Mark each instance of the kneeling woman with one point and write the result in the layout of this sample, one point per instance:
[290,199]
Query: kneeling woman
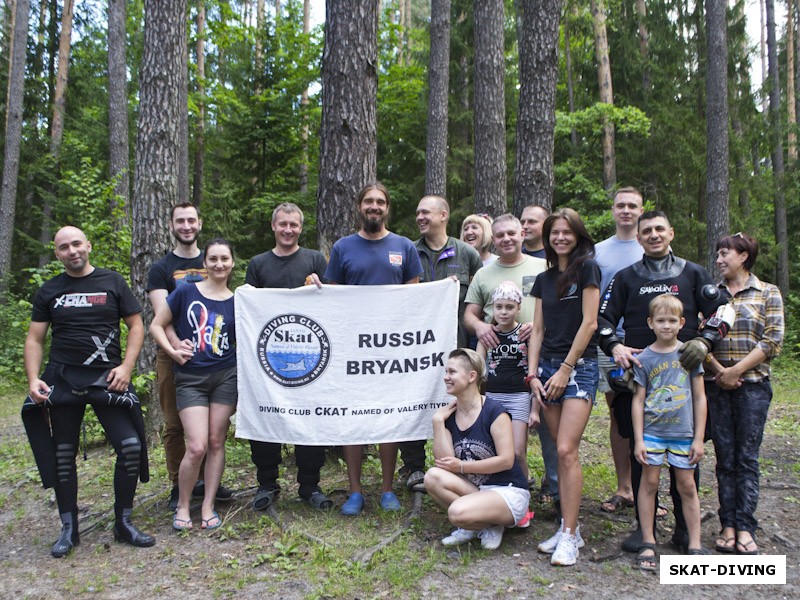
[205,375]
[477,476]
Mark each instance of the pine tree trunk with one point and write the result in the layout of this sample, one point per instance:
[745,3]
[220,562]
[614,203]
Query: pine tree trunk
[781,234]
[348,132]
[158,139]
[537,32]
[790,76]
[183,115]
[14,98]
[490,108]
[717,221]
[573,134]
[259,59]
[200,133]
[606,91]
[303,105]
[644,43]
[118,151]
[57,124]
[438,92]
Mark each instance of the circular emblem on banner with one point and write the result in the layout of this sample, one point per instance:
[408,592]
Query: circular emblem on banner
[293,350]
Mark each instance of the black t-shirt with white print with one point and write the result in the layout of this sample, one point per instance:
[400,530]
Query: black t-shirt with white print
[84,313]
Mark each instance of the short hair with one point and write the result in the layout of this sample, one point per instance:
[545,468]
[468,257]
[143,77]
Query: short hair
[628,190]
[441,203]
[486,228]
[473,361]
[665,303]
[741,242]
[289,208]
[506,217]
[544,209]
[653,214]
[373,185]
[186,204]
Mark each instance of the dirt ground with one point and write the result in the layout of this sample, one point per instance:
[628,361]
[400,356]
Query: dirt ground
[251,557]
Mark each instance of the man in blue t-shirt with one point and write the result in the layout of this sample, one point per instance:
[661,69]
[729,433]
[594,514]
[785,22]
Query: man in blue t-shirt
[614,254]
[372,256]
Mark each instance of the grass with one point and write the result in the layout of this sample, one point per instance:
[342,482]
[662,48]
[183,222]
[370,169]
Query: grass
[252,554]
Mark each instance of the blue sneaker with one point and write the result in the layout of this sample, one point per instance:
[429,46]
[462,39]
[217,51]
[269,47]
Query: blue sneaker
[389,502]
[354,505]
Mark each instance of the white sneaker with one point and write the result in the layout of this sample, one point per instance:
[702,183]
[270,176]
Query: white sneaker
[566,553]
[549,546]
[491,537]
[459,536]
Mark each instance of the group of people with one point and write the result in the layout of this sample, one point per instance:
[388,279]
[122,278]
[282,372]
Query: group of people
[542,323]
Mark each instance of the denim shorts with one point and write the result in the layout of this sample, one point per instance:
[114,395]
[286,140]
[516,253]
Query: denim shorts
[582,379]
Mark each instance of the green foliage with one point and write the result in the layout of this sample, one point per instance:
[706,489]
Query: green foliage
[15,314]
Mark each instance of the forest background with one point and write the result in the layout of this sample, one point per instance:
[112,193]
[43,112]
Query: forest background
[116,110]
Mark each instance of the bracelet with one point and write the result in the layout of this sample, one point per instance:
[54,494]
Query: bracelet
[531,377]
[567,364]
[462,467]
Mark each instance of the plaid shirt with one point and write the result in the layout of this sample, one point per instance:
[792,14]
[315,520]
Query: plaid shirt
[758,324]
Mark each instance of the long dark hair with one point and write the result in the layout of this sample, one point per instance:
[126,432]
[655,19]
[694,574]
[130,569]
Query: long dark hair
[583,250]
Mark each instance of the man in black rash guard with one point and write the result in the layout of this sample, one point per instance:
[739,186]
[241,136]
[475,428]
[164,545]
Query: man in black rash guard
[628,295]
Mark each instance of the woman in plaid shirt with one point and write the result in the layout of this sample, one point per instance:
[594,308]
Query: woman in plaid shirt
[740,392]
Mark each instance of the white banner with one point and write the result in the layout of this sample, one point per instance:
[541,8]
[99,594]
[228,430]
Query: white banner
[344,364]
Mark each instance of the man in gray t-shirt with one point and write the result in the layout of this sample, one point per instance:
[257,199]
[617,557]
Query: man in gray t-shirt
[614,254]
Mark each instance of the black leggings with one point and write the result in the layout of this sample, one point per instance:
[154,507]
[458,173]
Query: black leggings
[117,423]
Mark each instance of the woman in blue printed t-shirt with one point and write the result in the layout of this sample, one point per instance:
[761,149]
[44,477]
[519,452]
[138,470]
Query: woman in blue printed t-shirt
[201,341]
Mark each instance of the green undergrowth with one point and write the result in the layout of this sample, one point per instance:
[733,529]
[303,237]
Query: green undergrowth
[307,554]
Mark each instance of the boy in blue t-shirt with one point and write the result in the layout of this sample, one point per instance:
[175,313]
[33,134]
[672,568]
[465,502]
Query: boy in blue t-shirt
[669,420]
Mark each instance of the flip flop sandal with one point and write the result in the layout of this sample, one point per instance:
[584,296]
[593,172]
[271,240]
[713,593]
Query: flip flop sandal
[744,547]
[721,545]
[207,523]
[616,503]
[265,498]
[643,560]
[319,501]
[181,524]
[699,551]
[664,511]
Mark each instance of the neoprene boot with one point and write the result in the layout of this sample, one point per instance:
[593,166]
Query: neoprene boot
[125,531]
[69,535]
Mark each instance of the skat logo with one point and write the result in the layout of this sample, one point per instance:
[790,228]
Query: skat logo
[81,300]
[662,288]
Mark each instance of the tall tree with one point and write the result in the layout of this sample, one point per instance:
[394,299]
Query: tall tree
[781,234]
[183,117]
[348,132]
[304,105]
[790,90]
[606,92]
[438,93]
[644,42]
[717,221]
[158,139]
[57,123]
[537,34]
[200,131]
[490,108]
[14,98]
[118,151]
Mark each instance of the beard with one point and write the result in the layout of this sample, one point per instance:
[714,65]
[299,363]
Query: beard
[186,242]
[373,224]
